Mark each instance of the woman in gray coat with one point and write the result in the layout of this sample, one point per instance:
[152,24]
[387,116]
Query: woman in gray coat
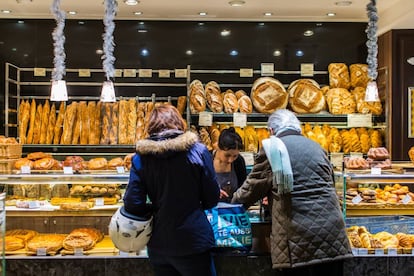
[295,174]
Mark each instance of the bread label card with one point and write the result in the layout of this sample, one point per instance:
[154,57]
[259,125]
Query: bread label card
[130,73]
[357,199]
[246,72]
[118,73]
[41,251]
[205,119]
[120,169]
[34,204]
[354,251]
[392,251]
[180,73]
[376,171]
[78,251]
[84,73]
[67,170]
[99,201]
[359,120]
[25,170]
[306,70]
[356,155]
[406,199]
[362,251]
[248,158]
[239,119]
[164,73]
[268,69]
[39,72]
[337,159]
[145,73]
[379,252]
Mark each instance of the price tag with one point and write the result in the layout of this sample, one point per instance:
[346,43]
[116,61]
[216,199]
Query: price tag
[359,120]
[67,170]
[123,253]
[145,73]
[99,201]
[180,73]
[84,73]
[120,169]
[246,72]
[130,73]
[362,251]
[357,199]
[337,159]
[41,251]
[392,251]
[39,72]
[78,251]
[355,251]
[306,69]
[205,119]
[248,158]
[379,252]
[356,155]
[25,170]
[406,199]
[33,204]
[268,69]
[163,73]
[239,119]
[118,73]
[376,171]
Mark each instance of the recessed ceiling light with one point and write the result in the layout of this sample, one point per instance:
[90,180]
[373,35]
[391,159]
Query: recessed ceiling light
[26,55]
[267,14]
[189,53]
[202,13]
[308,33]
[20,22]
[200,23]
[343,3]
[225,32]
[81,22]
[277,53]
[72,12]
[141,23]
[131,2]
[99,51]
[142,31]
[144,52]
[299,53]
[236,3]
[6,11]
[14,49]
[261,24]
[234,53]
[137,13]
[331,14]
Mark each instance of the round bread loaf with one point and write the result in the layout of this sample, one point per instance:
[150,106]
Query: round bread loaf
[230,102]
[213,96]
[197,97]
[305,96]
[245,104]
[268,95]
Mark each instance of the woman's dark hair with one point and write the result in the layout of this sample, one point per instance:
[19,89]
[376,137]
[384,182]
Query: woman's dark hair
[229,139]
[165,117]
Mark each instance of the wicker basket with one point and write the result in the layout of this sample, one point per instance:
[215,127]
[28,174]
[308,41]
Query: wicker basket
[10,151]
[7,165]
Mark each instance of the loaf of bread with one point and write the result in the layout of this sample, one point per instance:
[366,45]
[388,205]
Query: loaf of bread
[113,134]
[98,163]
[37,124]
[76,162]
[359,75]
[51,125]
[106,112]
[24,234]
[268,95]
[76,206]
[50,242]
[305,96]
[123,122]
[23,162]
[46,163]
[77,128]
[230,102]
[132,121]
[250,142]
[197,97]
[68,124]
[213,97]
[11,243]
[29,138]
[205,138]
[340,101]
[364,107]
[24,117]
[181,104]
[58,129]
[115,162]
[338,75]
[245,104]
[379,153]
[44,122]
[90,111]
[356,163]
[128,160]
[82,238]
[240,93]
[84,123]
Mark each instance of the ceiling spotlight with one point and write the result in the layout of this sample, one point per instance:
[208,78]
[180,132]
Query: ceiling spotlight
[331,14]
[410,60]
[23,1]
[277,53]
[202,13]
[72,12]
[137,13]
[299,53]
[234,53]
[6,11]
[131,2]
[142,31]
[81,22]
[343,3]
[308,33]
[99,51]
[267,14]
[225,32]
[236,3]
[20,22]
[189,53]
[144,52]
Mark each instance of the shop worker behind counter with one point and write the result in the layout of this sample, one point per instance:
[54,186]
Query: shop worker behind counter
[308,234]
[228,163]
[176,172]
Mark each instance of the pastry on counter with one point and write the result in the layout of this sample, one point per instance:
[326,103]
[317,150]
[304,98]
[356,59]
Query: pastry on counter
[50,242]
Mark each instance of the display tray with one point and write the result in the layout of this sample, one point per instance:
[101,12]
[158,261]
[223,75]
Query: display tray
[103,248]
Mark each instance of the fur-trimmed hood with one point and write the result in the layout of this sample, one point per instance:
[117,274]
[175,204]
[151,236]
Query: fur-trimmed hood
[181,142]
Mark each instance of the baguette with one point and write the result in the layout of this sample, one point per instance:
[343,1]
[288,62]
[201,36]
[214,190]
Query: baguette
[44,122]
[57,131]
[51,125]
[123,123]
[37,124]
[132,120]
[24,117]
[29,138]
[91,113]
[69,121]
[77,124]
[113,133]
[106,111]
[85,126]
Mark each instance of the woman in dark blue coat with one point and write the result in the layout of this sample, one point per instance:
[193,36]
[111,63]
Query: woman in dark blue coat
[175,172]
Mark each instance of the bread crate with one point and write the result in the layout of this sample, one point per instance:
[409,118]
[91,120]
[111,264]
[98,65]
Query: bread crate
[7,165]
[390,224]
[10,151]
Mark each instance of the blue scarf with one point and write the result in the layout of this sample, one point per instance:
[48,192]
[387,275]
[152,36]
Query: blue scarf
[279,160]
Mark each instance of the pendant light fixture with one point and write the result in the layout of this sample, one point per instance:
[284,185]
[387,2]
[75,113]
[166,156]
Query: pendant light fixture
[58,90]
[108,91]
[371,93]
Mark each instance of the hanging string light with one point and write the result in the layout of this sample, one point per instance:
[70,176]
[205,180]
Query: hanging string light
[371,93]
[108,92]
[58,91]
